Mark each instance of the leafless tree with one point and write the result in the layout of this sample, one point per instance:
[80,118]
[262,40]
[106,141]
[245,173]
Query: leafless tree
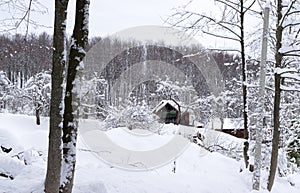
[18,14]
[71,101]
[287,52]
[64,96]
[52,182]
[229,25]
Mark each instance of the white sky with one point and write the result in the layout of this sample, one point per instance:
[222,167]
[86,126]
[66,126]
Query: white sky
[110,16]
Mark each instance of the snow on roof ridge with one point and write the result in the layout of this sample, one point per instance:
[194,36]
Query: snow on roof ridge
[163,103]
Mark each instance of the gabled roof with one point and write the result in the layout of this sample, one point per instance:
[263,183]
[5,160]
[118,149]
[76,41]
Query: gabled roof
[163,103]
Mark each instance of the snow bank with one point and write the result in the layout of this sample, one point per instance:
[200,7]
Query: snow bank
[196,170]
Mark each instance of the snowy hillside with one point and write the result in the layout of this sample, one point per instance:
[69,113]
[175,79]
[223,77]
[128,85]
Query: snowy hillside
[196,170]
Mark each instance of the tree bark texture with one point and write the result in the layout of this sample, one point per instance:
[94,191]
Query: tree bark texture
[52,182]
[72,97]
[278,61]
[244,87]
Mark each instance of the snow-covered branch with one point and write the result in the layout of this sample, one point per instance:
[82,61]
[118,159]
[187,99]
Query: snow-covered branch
[286,14]
[291,76]
[289,88]
[284,70]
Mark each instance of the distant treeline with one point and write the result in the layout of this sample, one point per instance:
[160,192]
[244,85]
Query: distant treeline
[22,58]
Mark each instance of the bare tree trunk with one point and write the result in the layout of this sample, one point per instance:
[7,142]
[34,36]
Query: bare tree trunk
[75,66]
[37,114]
[52,182]
[233,10]
[275,139]
[244,87]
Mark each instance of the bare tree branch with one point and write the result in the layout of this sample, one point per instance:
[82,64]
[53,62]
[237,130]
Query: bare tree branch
[291,25]
[218,23]
[291,55]
[249,7]
[220,36]
[28,17]
[229,4]
[290,6]
[291,51]
[20,13]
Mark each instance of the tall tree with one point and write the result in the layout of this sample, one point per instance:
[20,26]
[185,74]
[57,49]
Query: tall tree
[71,101]
[286,50]
[52,182]
[230,25]
[276,113]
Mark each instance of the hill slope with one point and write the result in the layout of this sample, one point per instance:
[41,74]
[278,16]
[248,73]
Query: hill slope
[196,169]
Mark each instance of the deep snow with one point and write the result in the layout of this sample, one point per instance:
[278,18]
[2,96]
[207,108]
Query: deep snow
[197,170]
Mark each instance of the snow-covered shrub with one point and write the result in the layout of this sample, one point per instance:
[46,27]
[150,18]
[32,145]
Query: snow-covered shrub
[132,117]
[5,84]
[140,117]
[293,152]
[112,120]
[16,100]
[4,81]
[38,91]
[92,98]
[34,96]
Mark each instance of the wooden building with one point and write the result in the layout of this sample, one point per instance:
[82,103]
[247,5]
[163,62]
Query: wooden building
[169,111]
[232,126]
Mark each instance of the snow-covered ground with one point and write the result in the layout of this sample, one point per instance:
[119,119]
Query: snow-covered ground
[197,170]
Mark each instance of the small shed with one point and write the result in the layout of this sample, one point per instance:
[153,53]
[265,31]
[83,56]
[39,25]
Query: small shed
[169,111]
[232,126]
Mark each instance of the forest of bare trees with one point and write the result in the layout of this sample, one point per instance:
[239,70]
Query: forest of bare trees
[45,75]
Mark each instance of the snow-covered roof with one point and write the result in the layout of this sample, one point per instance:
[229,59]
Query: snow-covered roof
[229,123]
[164,103]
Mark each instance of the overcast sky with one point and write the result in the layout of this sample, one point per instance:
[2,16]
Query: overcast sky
[110,16]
